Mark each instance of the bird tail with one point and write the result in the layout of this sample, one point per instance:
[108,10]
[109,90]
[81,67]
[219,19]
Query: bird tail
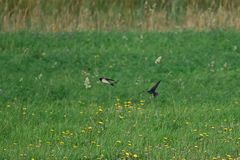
[155,94]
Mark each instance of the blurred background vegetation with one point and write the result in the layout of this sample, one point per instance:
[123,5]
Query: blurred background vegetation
[77,15]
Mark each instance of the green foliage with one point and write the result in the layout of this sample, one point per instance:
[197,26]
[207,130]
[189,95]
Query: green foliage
[47,112]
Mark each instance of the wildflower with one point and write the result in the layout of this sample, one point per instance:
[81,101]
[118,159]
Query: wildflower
[235,48]
[100,110]
[158,60]
[87,83]
[39,76]
[121,117]
[127,154]
[125,37]
[98,145]
[89,128]
[225,65]
[135,155]
[100,122]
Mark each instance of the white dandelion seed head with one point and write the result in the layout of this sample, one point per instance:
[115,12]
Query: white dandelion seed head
[158,60]
[87,83]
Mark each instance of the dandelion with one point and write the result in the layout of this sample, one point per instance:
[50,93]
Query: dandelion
[121,117]
[89,128]
[39,76]
[127,154]
[235,48]
[100,122]
[61,143]
[135,155]
[225,65]
[98,145]
[158,60]
[87,83]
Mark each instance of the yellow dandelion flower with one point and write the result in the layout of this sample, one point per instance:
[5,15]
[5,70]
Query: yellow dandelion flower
[83,131]
[100,122]
[135,155]
[98,145]
[129,102]
[201,135]
[127,154]
[121,117]
[118,141]
[229,156]
[89,128]
[74,146]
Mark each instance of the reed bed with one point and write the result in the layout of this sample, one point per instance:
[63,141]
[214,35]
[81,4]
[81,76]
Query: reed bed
[145,15]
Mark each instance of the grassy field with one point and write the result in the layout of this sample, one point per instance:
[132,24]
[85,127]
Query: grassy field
[109,15]
[47,112]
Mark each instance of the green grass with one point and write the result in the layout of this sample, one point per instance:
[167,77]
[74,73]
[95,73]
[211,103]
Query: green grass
[47,113]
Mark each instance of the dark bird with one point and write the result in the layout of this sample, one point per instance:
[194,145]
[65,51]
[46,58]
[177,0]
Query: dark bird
[107,81]
[153,89]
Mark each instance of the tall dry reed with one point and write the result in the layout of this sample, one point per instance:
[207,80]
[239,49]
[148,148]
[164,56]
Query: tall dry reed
[147,15]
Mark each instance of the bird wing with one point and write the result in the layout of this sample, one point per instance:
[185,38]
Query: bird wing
[109,79]
[154,87]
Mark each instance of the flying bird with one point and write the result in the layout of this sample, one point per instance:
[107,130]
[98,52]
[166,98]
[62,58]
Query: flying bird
[107,81]
[153,89]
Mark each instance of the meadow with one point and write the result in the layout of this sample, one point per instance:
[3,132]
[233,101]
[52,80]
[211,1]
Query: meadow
[49,111]
[115,15]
